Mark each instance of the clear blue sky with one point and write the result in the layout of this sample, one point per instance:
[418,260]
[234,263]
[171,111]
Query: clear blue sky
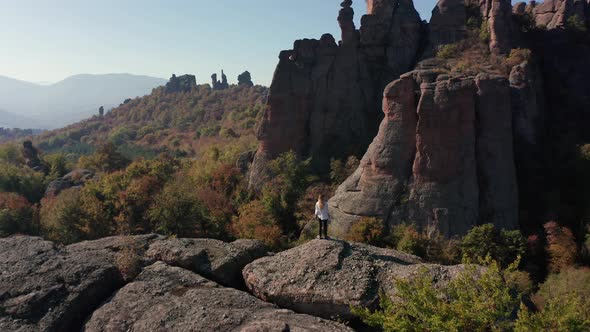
[46,41]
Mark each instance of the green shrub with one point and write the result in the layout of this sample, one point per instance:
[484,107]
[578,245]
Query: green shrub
[122,135]
[340,171]
[526,22]
[409,240]
[178,211]
[128,259]
[11,153]
[518,56]
[474,301]
[22,180]
[58,164]
[485,240]
[106,159]
[484,32]
[367,230]
[473,24]
[576,24]
[562,302]
[290,179]
[62,217]
[447,51]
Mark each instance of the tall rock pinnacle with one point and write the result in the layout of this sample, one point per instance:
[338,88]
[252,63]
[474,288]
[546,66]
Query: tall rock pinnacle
[325,99]
[350,35]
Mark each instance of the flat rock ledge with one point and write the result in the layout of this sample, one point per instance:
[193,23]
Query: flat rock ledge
[326,277]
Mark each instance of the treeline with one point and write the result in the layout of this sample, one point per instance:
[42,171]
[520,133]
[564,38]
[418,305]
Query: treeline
[9,134]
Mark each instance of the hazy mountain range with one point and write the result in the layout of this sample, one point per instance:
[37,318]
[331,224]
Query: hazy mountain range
[29,105]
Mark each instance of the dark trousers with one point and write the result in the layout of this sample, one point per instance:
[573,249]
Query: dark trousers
[323,227]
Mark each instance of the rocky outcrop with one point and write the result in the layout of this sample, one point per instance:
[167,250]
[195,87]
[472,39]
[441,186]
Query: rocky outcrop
[450,17]
[553,14]
[219,85]
[45,287]
[184,83]
[213,259]
[350,35]
[326,278]
[519,8]
[173,299]
[75,179]
[245,160]
[443,157]
[245,79]
[324,93]
[448,24]
[498,14]
[31,156]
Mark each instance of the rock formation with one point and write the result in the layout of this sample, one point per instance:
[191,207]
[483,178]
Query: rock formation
[213,259]
[326,278]
[323,93]
[184,83]
[450,17]
[245,79]
[31,156]
[169,298]
[46,288]
[443,157]
[75,179]
[219,85]
[350,35]
[552,14]
[448,24]
[49,288]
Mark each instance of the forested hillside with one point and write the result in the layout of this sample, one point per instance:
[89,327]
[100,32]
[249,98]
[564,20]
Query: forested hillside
[182,123]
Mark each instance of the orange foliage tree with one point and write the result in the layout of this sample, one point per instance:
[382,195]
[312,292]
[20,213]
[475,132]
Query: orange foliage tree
[254,221]
[561,246]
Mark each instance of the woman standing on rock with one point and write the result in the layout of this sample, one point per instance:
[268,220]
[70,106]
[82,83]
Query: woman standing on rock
[321,212]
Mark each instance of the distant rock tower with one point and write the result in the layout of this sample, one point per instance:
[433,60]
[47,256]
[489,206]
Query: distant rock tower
[245,78]
[184,83]
[219,85]
[31,155]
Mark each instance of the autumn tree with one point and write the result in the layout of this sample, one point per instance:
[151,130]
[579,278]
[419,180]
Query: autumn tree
[561,246]
[16,214]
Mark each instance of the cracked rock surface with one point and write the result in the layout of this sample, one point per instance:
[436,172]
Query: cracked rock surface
[326,277]
[46,287]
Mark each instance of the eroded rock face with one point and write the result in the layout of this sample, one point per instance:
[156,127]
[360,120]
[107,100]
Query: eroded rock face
[174,299]
[443,157]
[325,98]
[217,260]
[325,278]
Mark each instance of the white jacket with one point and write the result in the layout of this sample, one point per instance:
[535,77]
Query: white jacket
[323,214]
